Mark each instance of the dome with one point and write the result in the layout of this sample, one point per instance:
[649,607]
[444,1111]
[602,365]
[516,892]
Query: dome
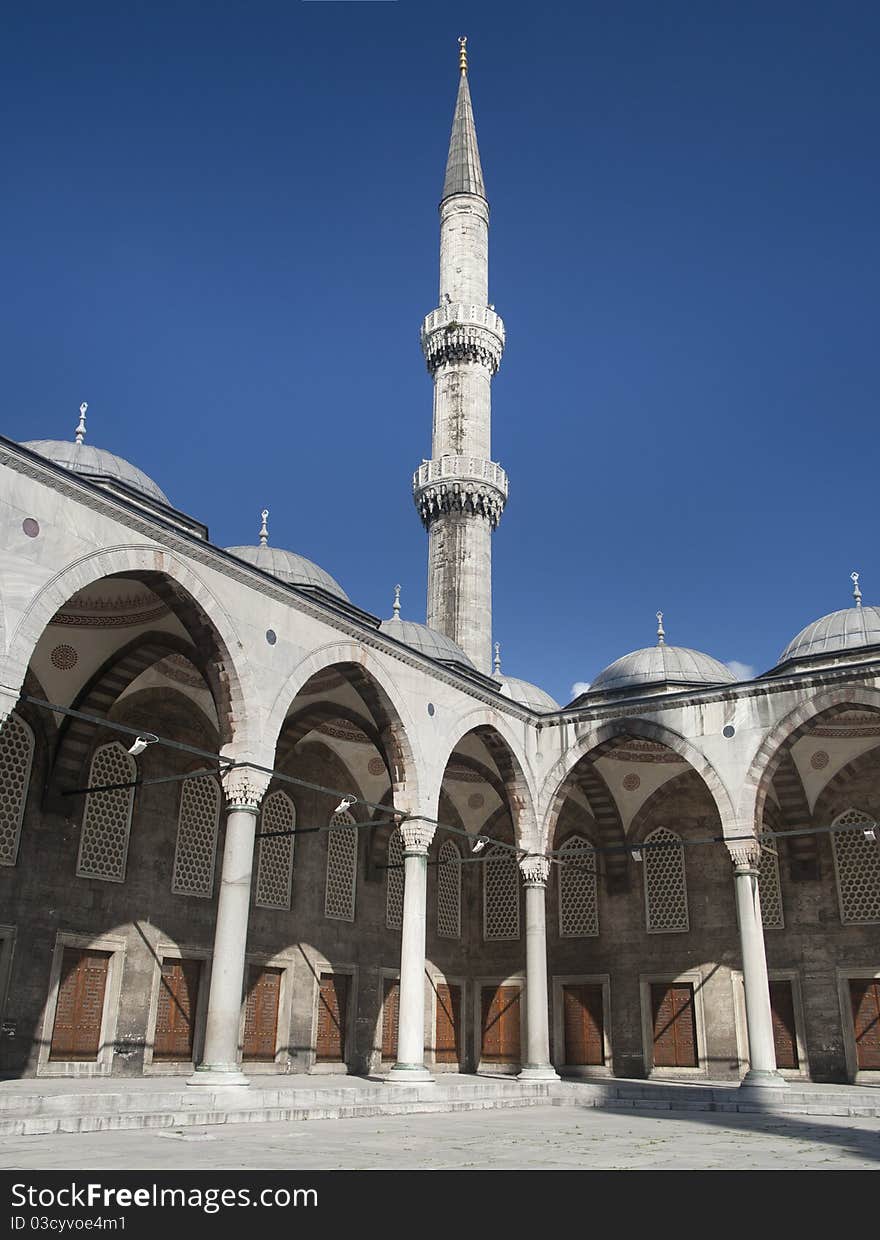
[854,628]
[527,694]
[290,567]
[82,458]
[428,641]
[662,666]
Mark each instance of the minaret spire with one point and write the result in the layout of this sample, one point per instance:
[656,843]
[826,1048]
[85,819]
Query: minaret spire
[461,492]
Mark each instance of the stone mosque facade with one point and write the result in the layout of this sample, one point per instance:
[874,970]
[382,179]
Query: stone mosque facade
[247,827]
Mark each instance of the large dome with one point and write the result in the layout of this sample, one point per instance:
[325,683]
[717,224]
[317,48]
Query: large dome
[527,694]
[660,667]
[854,628]
[82,458]
[290,567]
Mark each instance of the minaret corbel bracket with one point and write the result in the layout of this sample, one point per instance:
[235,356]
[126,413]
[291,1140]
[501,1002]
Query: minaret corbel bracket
[458,332]
[460,484]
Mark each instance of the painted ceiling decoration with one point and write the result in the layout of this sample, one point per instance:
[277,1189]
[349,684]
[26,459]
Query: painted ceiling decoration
[90,608]
[632,750]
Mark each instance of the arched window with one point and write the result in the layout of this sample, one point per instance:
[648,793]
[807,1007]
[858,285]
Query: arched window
[770,891]
[578,909]
[16,756]
[196,848]
[857,867]
[342,843]
[666,905]
[103,844]
[275,862]
[449,892]
[394,882]
[500,894]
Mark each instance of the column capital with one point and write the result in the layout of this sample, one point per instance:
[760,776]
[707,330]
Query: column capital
[417,834]
[745,855]
[245,787]
[535,870]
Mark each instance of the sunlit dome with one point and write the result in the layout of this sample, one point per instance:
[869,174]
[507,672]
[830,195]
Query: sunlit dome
[522,691]
[419,637]
[287,565]
[853,628]
[662,667]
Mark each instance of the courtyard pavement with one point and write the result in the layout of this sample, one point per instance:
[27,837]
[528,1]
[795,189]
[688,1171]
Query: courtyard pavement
[543,1138]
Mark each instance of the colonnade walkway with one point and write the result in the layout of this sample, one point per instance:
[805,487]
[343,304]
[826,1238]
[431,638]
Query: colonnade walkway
[69,1105]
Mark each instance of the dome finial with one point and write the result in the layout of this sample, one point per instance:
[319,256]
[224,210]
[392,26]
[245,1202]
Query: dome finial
[497,659]
[396,607]
[661,633]
[462,53]
[857,594]
[81,428]
[264,529]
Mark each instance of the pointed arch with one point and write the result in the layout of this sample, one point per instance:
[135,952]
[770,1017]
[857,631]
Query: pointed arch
[16,760]
[106,822]
[666,902]
[578,904]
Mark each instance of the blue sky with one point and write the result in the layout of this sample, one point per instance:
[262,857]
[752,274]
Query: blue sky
[220,229]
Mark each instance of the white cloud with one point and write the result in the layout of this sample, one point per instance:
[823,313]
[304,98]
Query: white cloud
[579,687]
[742,671]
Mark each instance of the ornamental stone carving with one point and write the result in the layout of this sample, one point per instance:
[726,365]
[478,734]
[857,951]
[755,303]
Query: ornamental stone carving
[416,834]
[460,484]
[745,855]
[458,332]
[245,787]
[535,871]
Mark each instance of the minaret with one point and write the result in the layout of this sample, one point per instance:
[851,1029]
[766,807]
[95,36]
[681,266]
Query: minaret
[460,493]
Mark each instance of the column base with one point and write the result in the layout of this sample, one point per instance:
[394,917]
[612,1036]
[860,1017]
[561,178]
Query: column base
[755,1079]
[538,1072]
[218,1077]
[409,1074]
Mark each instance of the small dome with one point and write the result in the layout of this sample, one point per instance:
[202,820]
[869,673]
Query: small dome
[854,628]
[428,641]
[290,567]
[527,694]
[82,458]
[673,667]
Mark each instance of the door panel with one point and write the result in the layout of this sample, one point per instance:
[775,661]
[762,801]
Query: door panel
[261,1014]
[674,1025]
[583,1025]
[176,1011]
[79,1011]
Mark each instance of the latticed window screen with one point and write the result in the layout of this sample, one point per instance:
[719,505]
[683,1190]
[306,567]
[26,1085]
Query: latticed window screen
[196,837]
[16,755]
[342,844]
[500,895]
[103,845]
[666,905]
[275,863]
[770,891]
[857,863]
[449,892]
[394,882]
[578,909]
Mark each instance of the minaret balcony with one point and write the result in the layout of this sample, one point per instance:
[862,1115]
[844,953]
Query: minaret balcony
[462,484]
[459,332]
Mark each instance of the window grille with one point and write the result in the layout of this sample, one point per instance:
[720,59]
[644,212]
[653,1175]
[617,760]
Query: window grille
[770,891]
[449,892]
[16,756]
[275,862]
[103,845]
[342,843]
[196,837]
[500,894]
[857,866]
[394,882]
[665,886]
[578,908]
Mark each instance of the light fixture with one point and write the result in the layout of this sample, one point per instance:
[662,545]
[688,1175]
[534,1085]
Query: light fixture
[636,854]
[870,833]
[141,743]
[344,804]
[479,843]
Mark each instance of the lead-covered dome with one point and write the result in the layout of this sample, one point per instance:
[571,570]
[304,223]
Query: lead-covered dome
[662,667]
[82,458]
[527,694]
[419,637]
[287,566]
[853,628]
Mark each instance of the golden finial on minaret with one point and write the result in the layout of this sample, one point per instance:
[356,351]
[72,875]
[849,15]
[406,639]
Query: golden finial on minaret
[462,53]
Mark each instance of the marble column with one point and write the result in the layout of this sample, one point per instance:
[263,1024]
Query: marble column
[244,788]
[410,1068]
[537,1067]
[762,1052]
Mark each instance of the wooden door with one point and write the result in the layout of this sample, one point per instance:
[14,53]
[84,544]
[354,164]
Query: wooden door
[447,1026]
[332,1017]
[674,1025]
[583,1018]
[261,1014]
[176,1011]
[500,1024]
[865,997]
[784,1036]
[79,1011]
[390,1017]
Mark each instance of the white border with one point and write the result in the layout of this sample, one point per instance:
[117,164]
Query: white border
[437,978]
[163,951]
[103,1064]
[696,979]
[857,1076]
[318,966]
[498,1069]
[559,981]
[281,1063]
